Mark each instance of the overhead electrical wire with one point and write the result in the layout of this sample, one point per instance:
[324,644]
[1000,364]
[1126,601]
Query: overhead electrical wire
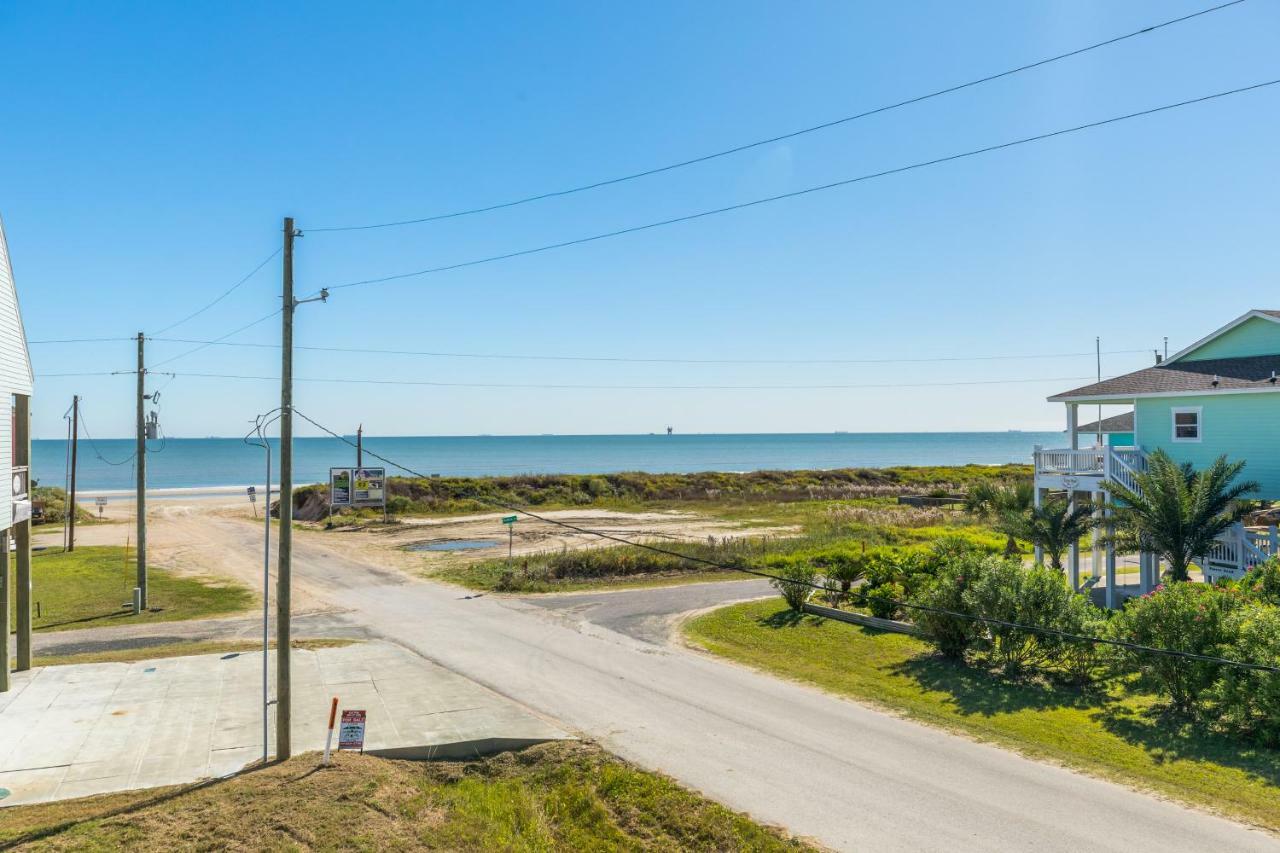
[590,387]
[801,192]
[628,360]
[224,294]
[784,136]
[218,339]
[852,594]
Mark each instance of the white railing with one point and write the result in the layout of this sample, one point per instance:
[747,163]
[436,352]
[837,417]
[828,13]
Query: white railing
[1110,463]
[1239,549]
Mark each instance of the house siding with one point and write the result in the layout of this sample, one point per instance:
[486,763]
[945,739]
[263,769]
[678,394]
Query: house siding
[1255,336]
[15,374]
[1243,426]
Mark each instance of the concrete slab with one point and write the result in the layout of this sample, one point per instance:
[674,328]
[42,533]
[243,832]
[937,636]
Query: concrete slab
[73,731]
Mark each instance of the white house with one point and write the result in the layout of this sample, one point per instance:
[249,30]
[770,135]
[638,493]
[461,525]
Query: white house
[15,459]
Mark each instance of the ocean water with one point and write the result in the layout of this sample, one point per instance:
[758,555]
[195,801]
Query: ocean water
[211,462]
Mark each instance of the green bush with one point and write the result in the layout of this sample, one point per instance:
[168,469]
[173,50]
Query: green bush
[950,635]
[1036,597]
[1248,701]
[1262,582]
[795,583]
[883,600]
[55,505]
[1185,617]
[1077,660]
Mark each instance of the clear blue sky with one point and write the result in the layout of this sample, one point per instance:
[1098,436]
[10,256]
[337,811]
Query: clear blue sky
[149,151]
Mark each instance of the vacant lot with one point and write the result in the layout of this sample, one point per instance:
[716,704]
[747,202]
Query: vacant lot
[93,586]
[553,797]
[1126,739]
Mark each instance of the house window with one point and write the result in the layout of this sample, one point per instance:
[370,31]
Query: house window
[1186,424]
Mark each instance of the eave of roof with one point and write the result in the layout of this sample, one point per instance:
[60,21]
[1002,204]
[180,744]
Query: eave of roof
[1213,376]
[1115,423]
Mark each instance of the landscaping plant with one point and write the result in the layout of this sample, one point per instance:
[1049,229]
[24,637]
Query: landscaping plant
[795,583]
[1053,526]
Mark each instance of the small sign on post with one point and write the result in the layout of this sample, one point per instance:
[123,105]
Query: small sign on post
[253,499]
[351,730]
[510,522]
[101,504]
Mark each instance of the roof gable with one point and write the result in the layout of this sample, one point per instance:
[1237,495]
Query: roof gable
[15,359]
[1253,334]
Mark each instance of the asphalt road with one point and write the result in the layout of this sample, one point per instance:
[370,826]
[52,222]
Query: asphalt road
[648,614]
[849,776]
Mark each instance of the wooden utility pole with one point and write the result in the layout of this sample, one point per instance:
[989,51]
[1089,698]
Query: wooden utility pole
[140,451]
[285,548]
[22,530]
[360,446]
[71,498]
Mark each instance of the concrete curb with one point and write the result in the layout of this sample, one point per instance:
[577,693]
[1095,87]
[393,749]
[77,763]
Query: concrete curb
[861,619]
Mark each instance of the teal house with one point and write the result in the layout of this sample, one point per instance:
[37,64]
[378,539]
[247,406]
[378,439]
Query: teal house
[1220,395]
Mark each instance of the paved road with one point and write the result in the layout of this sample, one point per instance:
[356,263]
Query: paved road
[648,614]
[849,776]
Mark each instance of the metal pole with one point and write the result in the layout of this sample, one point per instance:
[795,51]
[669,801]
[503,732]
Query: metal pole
[266,598]
[140,452]
[1097,346]
[284,570]
[71,498]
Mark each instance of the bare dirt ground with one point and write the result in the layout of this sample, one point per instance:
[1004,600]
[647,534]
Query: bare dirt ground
[211,536]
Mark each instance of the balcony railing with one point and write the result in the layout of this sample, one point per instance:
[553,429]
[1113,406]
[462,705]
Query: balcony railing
[1118,464]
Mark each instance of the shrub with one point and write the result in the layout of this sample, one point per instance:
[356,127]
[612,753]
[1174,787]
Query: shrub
[1079,661]
[794,582]
[1249,700]
[950,635]
[883,600]
[1185,617]
[1036,597]
[55,505]
[1262,582]
[842,567]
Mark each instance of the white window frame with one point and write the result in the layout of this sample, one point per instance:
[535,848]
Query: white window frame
[1198,411]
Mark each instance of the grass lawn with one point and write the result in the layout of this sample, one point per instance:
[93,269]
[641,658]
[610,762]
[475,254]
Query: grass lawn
[1108,733]
[173,650]
[485,575]
[552,797]
[89,587]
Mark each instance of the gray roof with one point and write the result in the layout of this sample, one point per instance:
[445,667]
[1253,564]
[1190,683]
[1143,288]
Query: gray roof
[1183,377]
[1115,423]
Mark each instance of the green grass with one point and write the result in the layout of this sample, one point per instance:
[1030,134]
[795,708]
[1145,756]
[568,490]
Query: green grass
[568,796]
[488,576]
[88,587]
[1111,732]
[180,649]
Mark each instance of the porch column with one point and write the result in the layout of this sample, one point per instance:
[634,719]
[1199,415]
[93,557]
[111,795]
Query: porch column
[1039,552]
[1112,598]
[22,531]
[1073,417]
[1095,535]
[1144,572]
[4,612]
[1073,554]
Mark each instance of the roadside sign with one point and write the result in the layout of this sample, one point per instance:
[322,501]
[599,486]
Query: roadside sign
[253,494]
[101,504]
[351,730]
[370,487]
[510,519]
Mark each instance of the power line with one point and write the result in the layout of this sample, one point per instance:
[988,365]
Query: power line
[567,387]
[626,360]
[79,340]
[217,340]
[223,295]
[785,136]
[806,191]
[96,450]
[1036,629]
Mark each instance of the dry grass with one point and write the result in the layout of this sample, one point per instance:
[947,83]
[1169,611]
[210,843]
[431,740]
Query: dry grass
[567,796]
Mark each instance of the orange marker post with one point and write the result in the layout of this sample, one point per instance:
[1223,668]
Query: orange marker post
[328,738]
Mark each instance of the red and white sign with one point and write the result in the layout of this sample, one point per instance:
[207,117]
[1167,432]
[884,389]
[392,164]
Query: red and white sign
[351,730]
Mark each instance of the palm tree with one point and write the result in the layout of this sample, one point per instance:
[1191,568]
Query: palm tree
[1176,511]
[995,501]
[1053,527]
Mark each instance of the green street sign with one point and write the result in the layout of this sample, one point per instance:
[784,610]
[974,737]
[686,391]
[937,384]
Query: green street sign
[510,519]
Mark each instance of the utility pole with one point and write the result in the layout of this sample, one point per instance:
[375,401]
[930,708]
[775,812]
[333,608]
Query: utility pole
[285,549]
[360,446]
[71,497]
[140,451]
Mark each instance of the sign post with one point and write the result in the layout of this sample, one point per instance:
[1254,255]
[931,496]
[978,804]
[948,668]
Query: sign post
[510,522]
[358,487]
[253,499]
[101,503]
[328,738]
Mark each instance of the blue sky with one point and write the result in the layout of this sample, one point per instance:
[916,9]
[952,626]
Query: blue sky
[149,151]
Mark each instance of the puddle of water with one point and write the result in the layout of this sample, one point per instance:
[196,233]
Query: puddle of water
[455,545]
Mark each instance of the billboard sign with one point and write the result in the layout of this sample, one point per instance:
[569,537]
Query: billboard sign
[369,487]
[339,487]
